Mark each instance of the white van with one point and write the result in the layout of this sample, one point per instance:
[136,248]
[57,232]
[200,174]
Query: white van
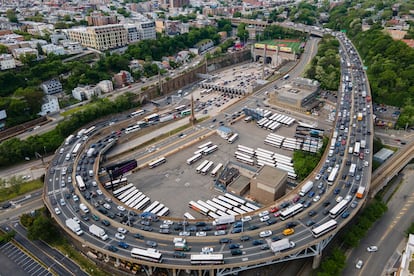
[84,208]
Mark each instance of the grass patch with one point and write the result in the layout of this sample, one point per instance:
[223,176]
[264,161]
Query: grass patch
[20,189]
[74,110]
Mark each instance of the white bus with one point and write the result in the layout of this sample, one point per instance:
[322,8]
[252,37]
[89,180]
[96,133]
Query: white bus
[222,203]
[138,200]
[157,162]
[207,206]
[115,183]
[142,203]
[324,228]
[132,129]
[200,150]
[133,198]
[126,193]
[164,212]
[232,202]
[206,259]
[197,207]
[252,206]
[246,209]
[89,130]
[81,184]
[216,205]
[238,210]
[238,153]
[357,148]
[69,139]
[157,209]
[235,198]
[332,175]
[149,254]
[201,166]
[232,213]
[151,207]
[268,152]
[194,158]
[188,216]
[129,196]
[291,211]
[244,147]
[215,171]
[338,208]
[210,150]
[76,149]
[207,168]
[122,189]
[247,161]
[233,138]
[206,145]
[180,108]
[246,151]
[137,113]
[352,169]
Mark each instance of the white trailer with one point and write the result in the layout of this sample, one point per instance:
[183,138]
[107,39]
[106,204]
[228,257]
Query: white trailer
[74,226]
[281,245]
[306,188]
[224,220]
[98,231]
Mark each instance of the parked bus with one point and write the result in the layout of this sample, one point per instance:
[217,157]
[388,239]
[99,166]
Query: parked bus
[137,113]
[130,198]
[324,228]
[185,112]
[149,254]
[76,149]
[205,145]
[338,208]
[215,171]
[164,212]
[194,158]
[352,169]
[207,206]
[126,193]
[69,139]
[210,150]
[217,206]
[291,211]
[115,183]
[238,153]
[233,138]
[232,202]
[247,161]
[207,168]
[207,259]
[188,216]
[247,152]
[235,198]
[142,203]
[151,207]
[157,209]
[81,184]
[132,129]
[252,206]
[157,162]
[201,166]
[200,150]
[117,192]
[222,203]
[197,207]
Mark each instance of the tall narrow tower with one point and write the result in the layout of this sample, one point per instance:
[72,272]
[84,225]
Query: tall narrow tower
[192,116]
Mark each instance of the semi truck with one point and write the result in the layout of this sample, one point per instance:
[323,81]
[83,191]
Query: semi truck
[359,116]
[224,220]
[74,226]
[363,144]
[90,152]
[98,231]
[281,245]
[166,118]
[306,188]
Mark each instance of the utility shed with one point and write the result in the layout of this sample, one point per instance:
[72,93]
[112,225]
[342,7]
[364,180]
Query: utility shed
[383,155]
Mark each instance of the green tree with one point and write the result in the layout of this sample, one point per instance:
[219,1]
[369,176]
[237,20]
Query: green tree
[42,229]
[237,14]
[242,33]
[11,15]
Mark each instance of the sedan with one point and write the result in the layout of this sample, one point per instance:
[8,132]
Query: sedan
[119,236]
[316,198]
[264,218]
[112,248]
[122,230]
[184,233]
[120,208]
[372,248]
[201,234]
[151,243]
[266,233]
[339,199]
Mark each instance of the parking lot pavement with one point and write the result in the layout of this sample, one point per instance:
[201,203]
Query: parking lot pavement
[16,262]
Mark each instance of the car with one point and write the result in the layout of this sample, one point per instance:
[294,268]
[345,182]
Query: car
[307,204]
[99,192]
[354,204]
[95,217]
[119,236]
[372,248]
[310,222]
[105,222]
[264,213]
[357,177]
[318,176]
[221,227]
[107,206]
[271,221]
[145,222]
[359,264]
[201,234]
[311,194]
[316,198]
[179,254]
[337,191]
[345,214]
[206,228]
[236,252]
[151,243]
[264,247]
[120,208]
[312,213]
[234,245]
[138,236]
[258,242]
[274,209]
[112,248]
[122,230]
[75,198]
[291,224]
[339,199]
[146,228]
[244,238]
[253,227]
[236,230]
[265,233]
[124,245]
[246,219]
[265,218]
[57,211]
[62,202]
[225,240]
[85,217]
[288,231]
[184,233]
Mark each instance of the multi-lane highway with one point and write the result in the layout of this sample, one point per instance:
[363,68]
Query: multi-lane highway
[352,129]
